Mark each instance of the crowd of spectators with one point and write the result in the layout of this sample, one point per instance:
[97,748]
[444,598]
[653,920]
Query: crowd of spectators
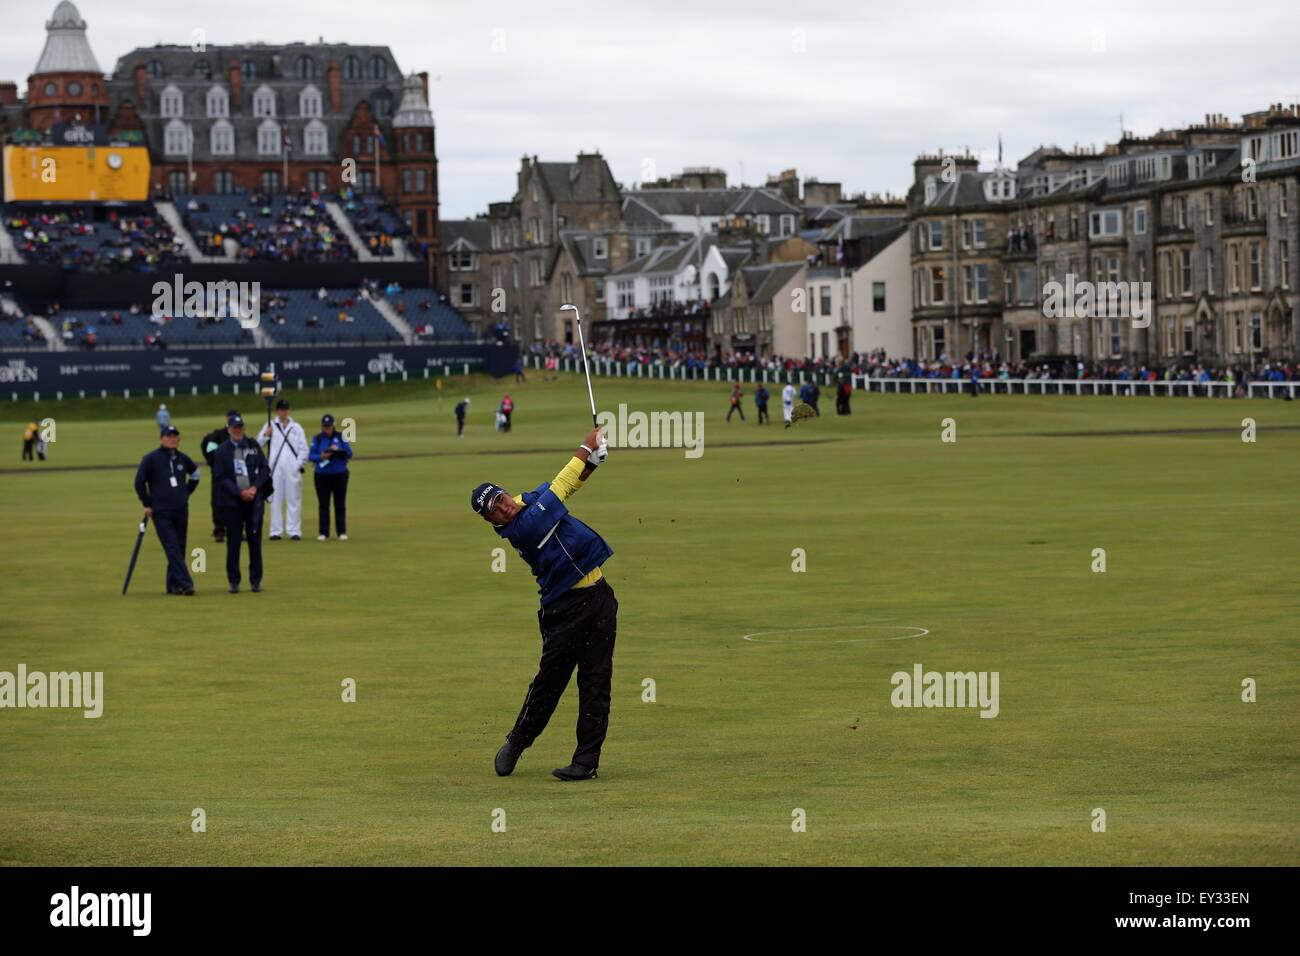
[988,365]
[126,238]
[287,228]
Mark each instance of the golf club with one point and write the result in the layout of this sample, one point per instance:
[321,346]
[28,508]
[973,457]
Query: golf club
[583,345]
[135,554]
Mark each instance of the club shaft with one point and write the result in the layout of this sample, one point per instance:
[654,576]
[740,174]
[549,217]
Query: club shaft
[590,395]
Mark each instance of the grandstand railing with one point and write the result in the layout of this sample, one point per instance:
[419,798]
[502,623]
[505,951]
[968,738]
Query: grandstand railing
[988,386]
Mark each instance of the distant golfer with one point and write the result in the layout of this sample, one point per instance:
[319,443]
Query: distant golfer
[579,613]
[461,408]
[760,401]
[736,396]
[787,403]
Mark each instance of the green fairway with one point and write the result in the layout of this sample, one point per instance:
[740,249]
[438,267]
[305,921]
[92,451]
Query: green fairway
[1119,690]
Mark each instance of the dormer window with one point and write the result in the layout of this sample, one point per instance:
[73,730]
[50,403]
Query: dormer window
[309,102]
[264,102]
[218,103]
[931,190]
[170,103]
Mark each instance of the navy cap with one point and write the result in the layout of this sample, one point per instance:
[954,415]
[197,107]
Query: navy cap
[171,430]
[483,496]
[326,420]
[232,412]
[282,403]
[234,420]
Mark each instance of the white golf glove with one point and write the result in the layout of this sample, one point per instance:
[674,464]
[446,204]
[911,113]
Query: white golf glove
[600,454]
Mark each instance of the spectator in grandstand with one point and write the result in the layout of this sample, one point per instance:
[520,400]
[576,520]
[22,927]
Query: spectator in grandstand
[787,403]
[331,451]
[761,396]
[164,482]
[163,418]
[507,409]
[736,395]
[461,408]
[287,450]
[208,446]
[241,470]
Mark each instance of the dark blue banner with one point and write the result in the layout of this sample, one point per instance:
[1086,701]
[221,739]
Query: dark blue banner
[91,373]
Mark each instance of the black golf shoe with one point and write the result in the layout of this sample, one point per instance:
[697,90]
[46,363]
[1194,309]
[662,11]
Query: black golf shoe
[574,771]
[507,757]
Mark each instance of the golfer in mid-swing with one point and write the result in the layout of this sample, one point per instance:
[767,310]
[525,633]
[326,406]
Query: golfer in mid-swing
[578,614]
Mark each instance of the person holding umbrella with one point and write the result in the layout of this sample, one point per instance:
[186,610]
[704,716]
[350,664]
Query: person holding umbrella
[164,482]
[331,451]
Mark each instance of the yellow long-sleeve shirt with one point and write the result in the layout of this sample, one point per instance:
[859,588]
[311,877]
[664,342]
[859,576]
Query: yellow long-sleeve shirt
[565,485]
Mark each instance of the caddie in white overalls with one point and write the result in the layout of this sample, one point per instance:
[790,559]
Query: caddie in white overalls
[288,457]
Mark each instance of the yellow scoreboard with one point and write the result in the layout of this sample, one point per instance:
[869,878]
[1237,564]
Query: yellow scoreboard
[76,173]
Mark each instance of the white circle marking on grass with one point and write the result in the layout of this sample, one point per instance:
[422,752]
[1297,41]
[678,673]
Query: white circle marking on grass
[757,637]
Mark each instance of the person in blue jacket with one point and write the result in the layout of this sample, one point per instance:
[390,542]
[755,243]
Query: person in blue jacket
[330,452]
[164,482]
[579,612]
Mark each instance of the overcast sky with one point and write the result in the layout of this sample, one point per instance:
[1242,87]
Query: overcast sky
[847,92]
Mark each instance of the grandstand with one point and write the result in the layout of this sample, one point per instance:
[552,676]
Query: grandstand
[93,238]
[376,221]
[251,227]
[136,328]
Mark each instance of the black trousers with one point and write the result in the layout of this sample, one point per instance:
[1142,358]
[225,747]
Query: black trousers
[27,449]
[762,414]
[577,631]
[736,408]
[460,424]
[171,528]
[244,522]
[335,486]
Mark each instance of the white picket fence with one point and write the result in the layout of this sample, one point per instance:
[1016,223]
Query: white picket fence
[991,386]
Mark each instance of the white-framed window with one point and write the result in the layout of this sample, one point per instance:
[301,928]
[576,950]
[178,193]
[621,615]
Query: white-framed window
[309,102]
[264,101]
[218,103]
[600,247]
[1256,268]
[661,290]
[466,295]
[268,138]
[1140,220]
[1252,203]
[931,190]
[463,260]
[1189,336]
[315,138]
[1209,209]
[1186,257]
[787,224]
[1283,264]
[171,103]
[977,283]
[1167,274]
[624,292]
[221,138]
[936,236]
[938,285]
[600,290]
[764,224]
[1209,271]
[979,234]
[641,247]
[1256,331]
[1180,211]
[1105,223]
[1234,267]
[176,139]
